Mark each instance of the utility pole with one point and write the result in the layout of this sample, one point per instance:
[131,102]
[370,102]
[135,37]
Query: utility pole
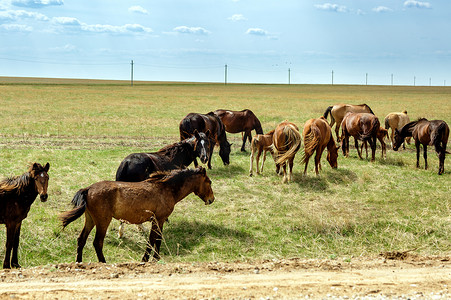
[289,76]
[225,74]
[392,79]
[332,77]
[430,81]
[414,81]
[131,79]
[366,79]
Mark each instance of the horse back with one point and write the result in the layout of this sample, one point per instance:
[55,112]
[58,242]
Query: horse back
[136,167]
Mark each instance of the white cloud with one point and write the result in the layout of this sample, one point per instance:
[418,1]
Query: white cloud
[16,27]
[417,4]
[237,18]
[332,7]
[138,9]
[257,31]
[67,21]
[15,15]
[75,24]
[36,3]
[382,9]
[191,30]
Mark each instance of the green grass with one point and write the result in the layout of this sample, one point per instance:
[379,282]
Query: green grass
[85,129]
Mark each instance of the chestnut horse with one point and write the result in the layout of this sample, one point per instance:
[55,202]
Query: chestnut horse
[317,136]
[338,112]
[396,120]
[286,143]
[260,143]
[361,126]
[240,121]
[211,125]
[17,194]
[381,134]
[136,202]
[424,132]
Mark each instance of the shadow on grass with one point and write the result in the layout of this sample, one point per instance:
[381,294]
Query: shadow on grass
[321,182]
[390,161]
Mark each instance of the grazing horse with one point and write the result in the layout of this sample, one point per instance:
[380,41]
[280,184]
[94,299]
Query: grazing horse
[361,126]
[136,202]
[317,136]
[424,132]
[337,113]
[396,120]
[17,194]
[381,134]
[239,121]
[213,127]
[138,166]
[286,143]
[260,143]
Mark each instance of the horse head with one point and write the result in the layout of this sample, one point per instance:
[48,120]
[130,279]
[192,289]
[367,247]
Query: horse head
[202,145]
[41,179]
[332,156]
[204,190]
[224,152]
[398,140]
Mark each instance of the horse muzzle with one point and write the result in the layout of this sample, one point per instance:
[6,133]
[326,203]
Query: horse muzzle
[209,201]
[44,197]
[203,159]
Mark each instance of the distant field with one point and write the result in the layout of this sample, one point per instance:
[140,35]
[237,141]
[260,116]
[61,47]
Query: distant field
[85,128]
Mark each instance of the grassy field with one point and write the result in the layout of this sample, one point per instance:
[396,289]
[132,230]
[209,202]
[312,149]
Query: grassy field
[85,128]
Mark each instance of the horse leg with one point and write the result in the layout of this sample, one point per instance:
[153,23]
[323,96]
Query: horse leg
[252,162]
[417,145]
[81,241]
[10,232]
[357,147]
[154,242]
[156,254]
[425,155]
[319,152]
[99,238]
[306,159]
[290,164]
[244,141]
[372,141]
[263,161]
[257,160]
[15,259]
[284,179]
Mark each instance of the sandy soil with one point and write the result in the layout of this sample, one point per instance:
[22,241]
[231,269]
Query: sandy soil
[392,275]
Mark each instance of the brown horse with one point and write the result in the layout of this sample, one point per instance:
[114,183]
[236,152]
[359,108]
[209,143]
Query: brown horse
[286,143]
[211,125]
[381,134]
[17,194]
[361,126]
[260,143]
[136,202]
[240,121]
[396,120]
[337,113]
[317,136]
[424,132]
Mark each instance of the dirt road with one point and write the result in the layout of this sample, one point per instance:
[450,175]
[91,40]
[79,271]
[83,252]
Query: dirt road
[401,276]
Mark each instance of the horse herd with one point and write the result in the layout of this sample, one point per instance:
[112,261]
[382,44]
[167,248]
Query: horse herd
[148,185]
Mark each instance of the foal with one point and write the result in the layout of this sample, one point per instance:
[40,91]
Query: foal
[260,143]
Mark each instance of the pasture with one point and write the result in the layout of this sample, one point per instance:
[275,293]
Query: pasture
[85,128]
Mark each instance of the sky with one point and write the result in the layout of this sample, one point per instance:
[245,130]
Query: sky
[403,42]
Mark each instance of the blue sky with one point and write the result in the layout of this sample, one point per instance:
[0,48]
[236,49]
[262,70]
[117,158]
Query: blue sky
[176,40]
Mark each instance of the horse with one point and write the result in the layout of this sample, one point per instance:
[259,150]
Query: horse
[381,134]
[424,132]
[338,111]
[286,143]
[240,121]
[361,126]
[138,166]
[212,125]
[136,202]
[260,143]
[17,194]
[396,120]
[317,136]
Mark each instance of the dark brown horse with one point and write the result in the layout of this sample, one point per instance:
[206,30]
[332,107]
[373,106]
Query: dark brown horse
[286,143]
[361,126]
[136,202]
[17,194]
[381,134]
[240,121]
[213,127]
[424,132]
[338,112]
[260,143]
[138,166]
[317,136]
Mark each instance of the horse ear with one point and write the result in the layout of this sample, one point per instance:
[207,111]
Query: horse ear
[47,167]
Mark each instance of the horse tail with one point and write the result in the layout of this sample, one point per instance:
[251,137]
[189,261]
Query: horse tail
[438,135]
[311,141]
[326,113]
[294,142]
[387,125]
[79,202]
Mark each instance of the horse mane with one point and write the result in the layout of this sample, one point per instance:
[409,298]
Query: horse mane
[15,183]
[407,129]
[174,177]
[270,132]
[171,150]
[371,111]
